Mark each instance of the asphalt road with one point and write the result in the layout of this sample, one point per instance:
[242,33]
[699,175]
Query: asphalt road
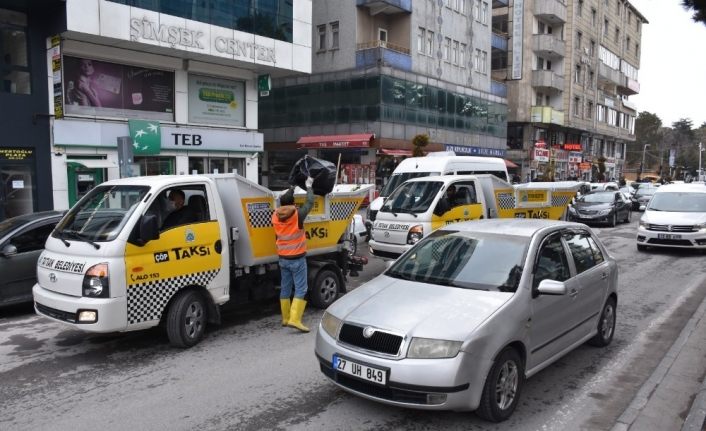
[252,374]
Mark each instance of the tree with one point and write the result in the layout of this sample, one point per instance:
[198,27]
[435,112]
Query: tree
[647,131]
[699,8]
[685,144]
[419,142]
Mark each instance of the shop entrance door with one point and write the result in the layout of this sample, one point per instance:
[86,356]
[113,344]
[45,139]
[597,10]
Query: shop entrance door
[16,189]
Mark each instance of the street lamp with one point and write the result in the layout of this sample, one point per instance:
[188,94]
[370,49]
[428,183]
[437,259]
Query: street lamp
[639,174]
[700,178]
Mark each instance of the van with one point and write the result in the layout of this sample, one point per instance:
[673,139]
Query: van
[441,163]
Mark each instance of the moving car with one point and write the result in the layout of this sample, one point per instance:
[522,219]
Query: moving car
[22,239]
[675,217]
[642,196]
[601,207]
[462,318]
[609,186]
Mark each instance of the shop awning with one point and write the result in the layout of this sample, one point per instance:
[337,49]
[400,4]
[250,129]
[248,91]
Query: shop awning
[510,164]
[360,140]
[93,163]
[395,152]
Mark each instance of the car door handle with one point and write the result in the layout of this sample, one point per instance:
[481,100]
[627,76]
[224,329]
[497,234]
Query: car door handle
[573,293]
[604,276]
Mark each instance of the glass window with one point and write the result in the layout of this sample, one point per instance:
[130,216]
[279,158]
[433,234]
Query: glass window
[597,253]
[421,37]
[33,239]
[322,37]
[484,13]
[455,52]
[334,35]
[150,165]
[447,48]
[14,64]
[430,43]
[580,250]
[197,165]
[462,55]
[551,262]
[414,197]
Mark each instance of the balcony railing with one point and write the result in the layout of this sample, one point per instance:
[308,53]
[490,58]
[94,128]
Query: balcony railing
[498,88]
[386,6]
[498,41]
[553,11]
[546,114]
[500,3]
[547,79]
[379,53]
[629,86]
[607,73]
[548,46]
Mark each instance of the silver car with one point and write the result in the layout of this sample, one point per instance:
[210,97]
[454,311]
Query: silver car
[460,320]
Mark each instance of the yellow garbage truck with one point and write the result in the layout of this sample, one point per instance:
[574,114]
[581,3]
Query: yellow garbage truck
[421,205]
[113,264]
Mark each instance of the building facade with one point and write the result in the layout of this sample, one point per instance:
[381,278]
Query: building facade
[384,71]
[570,67]
[177,78]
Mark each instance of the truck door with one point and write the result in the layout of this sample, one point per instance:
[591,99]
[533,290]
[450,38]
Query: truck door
[462,202]
[187,252]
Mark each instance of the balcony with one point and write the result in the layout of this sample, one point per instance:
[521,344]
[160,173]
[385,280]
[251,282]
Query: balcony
[379,53]
[498,88]
[629,86]
[546,114]
[552,11]
[607,73]
[387,7]
[548,46]
[498,41]
[548,80]
[499,3]
[629,104]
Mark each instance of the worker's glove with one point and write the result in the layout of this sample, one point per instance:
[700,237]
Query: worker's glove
[309,182]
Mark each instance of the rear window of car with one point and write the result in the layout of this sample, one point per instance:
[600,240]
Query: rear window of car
[580,250]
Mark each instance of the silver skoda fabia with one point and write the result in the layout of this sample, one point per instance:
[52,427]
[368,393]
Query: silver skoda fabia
[460,320]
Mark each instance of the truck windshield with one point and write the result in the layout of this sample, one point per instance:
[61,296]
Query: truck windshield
[414,197]
[398,178]
[679,202]
[467,260]
[101,214]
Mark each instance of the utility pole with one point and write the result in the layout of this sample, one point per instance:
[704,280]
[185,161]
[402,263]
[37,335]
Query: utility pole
[700,150]
[642,165]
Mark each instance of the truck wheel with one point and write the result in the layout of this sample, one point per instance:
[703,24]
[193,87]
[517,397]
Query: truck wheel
[186,319]
[325,289]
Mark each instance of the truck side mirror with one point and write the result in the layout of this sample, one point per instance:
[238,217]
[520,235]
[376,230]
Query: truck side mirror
[149,228]
[8,250]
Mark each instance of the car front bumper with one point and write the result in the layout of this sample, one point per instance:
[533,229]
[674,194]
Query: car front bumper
[695,240]
[387,250]
[428,384]
[591,218]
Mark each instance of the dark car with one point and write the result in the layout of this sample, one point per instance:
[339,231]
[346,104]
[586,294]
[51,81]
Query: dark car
[22,240]
[601,207]
[643,195]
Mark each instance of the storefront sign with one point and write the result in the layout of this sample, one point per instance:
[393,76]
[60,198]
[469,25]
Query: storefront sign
[575,157]
[16,153]
[216,101]
[183,38]
[55,51]
[585,166]
[517,28]
[475,151]
[572,147]
[541,155]
[99,87]
[360,140]
[146,137]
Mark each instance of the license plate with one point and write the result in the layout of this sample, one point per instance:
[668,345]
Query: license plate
[668,236]
[364,372]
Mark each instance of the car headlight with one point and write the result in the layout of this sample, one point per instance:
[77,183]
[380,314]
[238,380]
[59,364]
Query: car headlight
[605,212]
[427,348]
[644,224]
[331,324]
[701,227]
[96,282]
[415,234]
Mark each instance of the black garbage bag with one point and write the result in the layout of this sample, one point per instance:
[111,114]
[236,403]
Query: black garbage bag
[323,172]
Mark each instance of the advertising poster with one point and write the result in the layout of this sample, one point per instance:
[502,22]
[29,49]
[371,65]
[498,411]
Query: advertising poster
[97,87]
[216,101]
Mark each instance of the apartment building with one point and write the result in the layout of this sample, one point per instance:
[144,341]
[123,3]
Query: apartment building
[384,71]
[570,67]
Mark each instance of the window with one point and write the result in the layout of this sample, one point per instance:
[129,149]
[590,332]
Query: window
[590,79]
[629,17]
[592,48]
[577,74]
[421,37]
[600,113]
[191,206]
[447,49]
[476,10]
[617,7]
[322,37]
[382,36]
[464,7]
[589,110]
[484,62]
[616,38]
[551,262]
[637,25]
[33,239]
[334,35]
[605,27]
[430,43]
[462,55]
[579,35]
[579,8]
[476,60]
[484,13]
[455,52]
[14,61]
[627,43]
[637,49]
[581,251]
[577,107]
[593,17]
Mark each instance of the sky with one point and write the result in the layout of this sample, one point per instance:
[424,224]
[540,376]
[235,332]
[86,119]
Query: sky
[672,72]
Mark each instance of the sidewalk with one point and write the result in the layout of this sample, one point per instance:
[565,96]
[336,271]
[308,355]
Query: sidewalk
[674,397]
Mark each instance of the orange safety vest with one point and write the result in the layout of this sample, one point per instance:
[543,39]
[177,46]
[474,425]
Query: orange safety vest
[291,241]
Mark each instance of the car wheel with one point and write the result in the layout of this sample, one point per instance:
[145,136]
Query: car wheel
[326,288]
[502,387]
[186,319]
[641,247]
[606,325]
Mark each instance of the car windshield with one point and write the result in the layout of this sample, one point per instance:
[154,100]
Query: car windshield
[101,214]
[645,191]
[7,226]
[397,179]
[414,197]
[679,202]
[467,260]
[604,198]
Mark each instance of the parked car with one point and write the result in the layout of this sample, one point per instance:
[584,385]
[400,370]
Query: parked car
[22,240]
[675,217]
[601,207]
[598,187]
[643,195]
[446,327]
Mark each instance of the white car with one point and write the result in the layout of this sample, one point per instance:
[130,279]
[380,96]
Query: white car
[674,217]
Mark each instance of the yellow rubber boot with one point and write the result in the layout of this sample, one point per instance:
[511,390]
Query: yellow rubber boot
[285,305]
[295,319]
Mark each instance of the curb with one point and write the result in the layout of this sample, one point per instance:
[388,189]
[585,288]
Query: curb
[697,412]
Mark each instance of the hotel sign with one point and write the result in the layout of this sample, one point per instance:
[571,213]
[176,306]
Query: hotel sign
[179,37]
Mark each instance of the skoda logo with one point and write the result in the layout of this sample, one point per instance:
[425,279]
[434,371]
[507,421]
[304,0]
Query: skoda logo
[52,277]
[368,331]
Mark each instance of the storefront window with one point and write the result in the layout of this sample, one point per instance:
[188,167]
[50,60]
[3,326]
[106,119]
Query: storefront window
[196,165]
[216,166]
[14,64]
[17,189]
[280,164]
[155,165]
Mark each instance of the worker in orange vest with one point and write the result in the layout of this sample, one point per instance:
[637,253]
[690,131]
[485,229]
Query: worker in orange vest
[288,222]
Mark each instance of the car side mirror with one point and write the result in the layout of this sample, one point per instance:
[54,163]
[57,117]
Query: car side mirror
[149,228]
[551,287]
[8,250]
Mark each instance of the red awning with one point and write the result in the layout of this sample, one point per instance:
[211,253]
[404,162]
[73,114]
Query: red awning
[361,140]
[395,152]
[510,164]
